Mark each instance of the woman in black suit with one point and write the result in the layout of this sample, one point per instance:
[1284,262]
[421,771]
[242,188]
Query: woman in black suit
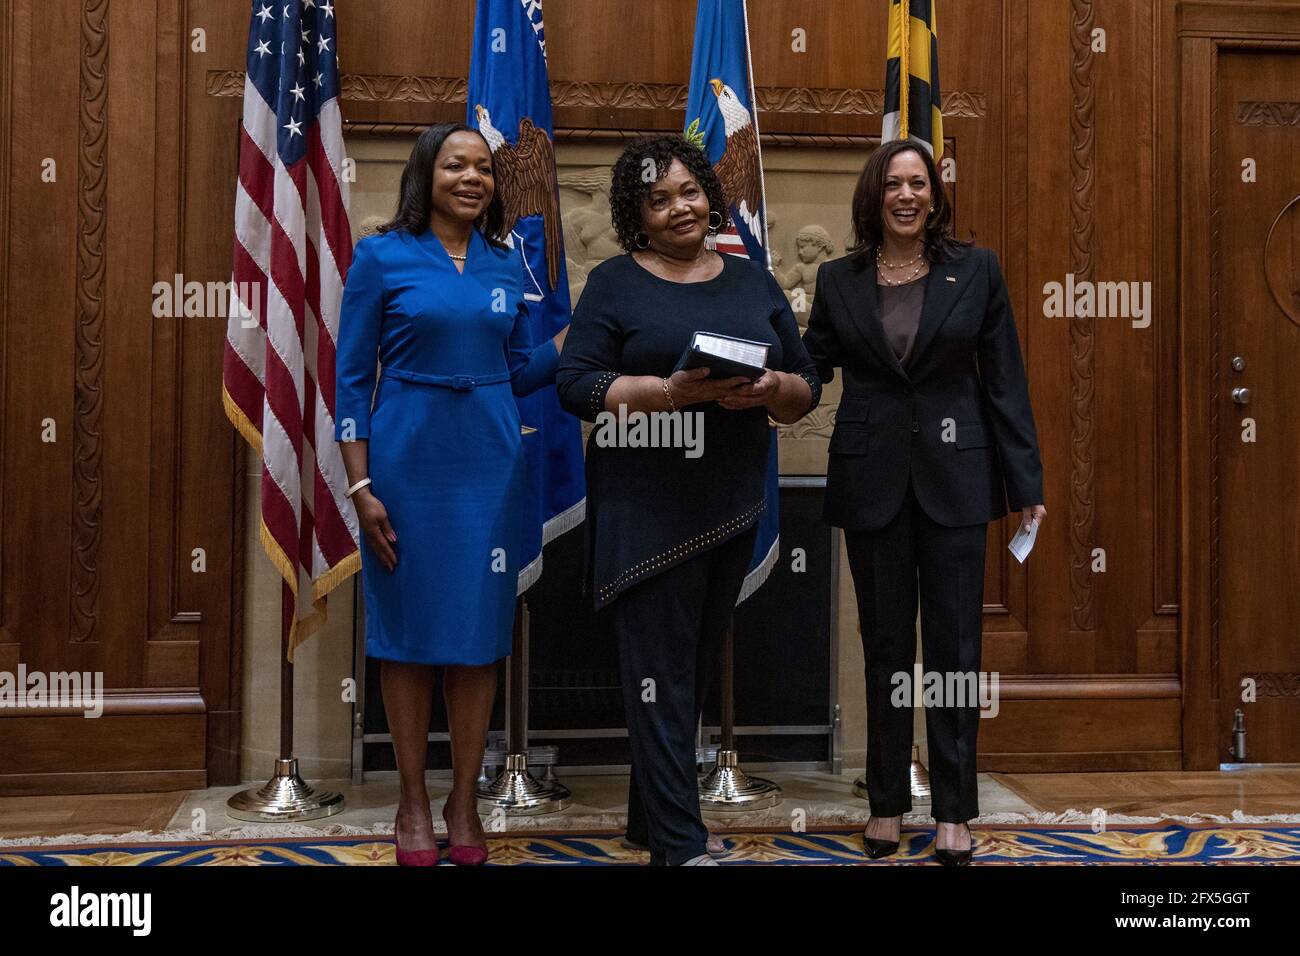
[934,438]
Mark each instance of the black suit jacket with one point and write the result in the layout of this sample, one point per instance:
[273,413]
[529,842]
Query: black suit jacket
[955,420]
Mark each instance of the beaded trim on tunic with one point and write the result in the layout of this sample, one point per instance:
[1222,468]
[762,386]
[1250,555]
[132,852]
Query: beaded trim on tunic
[687,547]
[599,390]
[815,384]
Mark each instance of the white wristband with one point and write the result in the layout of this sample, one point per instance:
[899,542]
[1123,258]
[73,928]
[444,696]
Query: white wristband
[357,487]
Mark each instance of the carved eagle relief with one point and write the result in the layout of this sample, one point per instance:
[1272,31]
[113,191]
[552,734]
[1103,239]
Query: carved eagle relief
[525,174]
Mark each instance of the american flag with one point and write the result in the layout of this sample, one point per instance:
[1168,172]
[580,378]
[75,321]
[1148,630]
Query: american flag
[293,247]
[729,241]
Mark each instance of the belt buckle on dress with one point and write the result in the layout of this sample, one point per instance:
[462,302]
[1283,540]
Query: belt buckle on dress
[462,383]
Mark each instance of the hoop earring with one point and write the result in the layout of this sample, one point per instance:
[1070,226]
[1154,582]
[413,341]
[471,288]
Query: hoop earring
[715,226]
[642,245]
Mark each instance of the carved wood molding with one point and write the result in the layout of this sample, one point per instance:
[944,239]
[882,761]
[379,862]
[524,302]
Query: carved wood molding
[772,99]
[1083,615]
[576,134]
[667,96]
[1089,686]
[1283,288]
[92,188]
[6,185]
[1268,113]
[1215,225]
[1269,684]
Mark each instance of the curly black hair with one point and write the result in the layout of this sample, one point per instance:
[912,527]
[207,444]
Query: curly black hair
[628,186]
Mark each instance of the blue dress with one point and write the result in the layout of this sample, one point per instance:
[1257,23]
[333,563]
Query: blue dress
[445,453]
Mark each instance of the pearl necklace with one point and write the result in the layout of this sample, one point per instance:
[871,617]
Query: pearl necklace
[458,258]
[880,258]
[885,280]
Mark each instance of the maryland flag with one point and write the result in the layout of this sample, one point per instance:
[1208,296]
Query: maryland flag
[912,109]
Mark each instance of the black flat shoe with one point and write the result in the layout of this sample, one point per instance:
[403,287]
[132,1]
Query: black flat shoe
[956,857]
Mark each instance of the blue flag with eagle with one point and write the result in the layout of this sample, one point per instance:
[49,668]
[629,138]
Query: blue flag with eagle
[722,120]
[509,102]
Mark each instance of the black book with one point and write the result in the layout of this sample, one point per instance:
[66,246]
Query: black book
[725,356]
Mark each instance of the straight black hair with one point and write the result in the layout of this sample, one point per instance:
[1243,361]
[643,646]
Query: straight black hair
[868,197]
[415,199]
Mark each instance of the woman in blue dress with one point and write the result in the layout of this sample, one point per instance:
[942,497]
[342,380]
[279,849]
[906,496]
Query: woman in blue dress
[435,464]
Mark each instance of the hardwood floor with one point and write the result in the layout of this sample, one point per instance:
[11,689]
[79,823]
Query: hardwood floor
[1255,792]
[87,813]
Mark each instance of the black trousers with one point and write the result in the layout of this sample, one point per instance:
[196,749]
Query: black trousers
[949,564]
[669,631]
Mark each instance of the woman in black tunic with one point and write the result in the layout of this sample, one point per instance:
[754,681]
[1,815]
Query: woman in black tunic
[671,529]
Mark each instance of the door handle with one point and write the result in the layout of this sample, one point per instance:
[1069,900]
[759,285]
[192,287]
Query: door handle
[1241,395]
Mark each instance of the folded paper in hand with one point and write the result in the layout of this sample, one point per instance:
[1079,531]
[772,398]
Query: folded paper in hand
[1023,542]
[724,356]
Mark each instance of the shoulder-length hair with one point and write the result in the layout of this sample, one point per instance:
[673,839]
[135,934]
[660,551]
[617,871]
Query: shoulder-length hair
[869,194]
[415,195]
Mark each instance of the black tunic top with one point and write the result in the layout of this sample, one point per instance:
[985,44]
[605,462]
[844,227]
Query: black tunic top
[651,508]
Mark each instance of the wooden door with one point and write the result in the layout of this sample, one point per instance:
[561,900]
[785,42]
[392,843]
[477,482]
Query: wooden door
[1257,206]
[1240,328]
[120,485]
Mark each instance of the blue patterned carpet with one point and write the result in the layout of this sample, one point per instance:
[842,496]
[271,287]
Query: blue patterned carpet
[1169,843]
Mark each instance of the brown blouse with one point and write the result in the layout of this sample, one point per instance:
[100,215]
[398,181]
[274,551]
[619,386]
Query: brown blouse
[900,313]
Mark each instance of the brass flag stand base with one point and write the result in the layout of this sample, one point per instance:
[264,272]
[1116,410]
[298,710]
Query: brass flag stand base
[286,796]
[920,780]
[726,787]
[518,792]
[515,790]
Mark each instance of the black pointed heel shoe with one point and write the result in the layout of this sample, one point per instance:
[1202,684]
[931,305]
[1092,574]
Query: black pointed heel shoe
[956,857]
[876,849]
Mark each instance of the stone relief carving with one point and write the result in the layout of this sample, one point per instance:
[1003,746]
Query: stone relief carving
[814,246]
[807,190]
[589,236]
[589,239]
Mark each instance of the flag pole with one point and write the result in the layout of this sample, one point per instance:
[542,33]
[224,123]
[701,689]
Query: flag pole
[758,139]
[515,790]
[285,796]
[727,787]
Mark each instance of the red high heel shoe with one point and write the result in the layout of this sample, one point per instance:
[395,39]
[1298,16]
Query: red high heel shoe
[416,857]
[463,854]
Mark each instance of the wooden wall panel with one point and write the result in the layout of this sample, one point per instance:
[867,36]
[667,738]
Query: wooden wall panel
[1065,160]
[99,524]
